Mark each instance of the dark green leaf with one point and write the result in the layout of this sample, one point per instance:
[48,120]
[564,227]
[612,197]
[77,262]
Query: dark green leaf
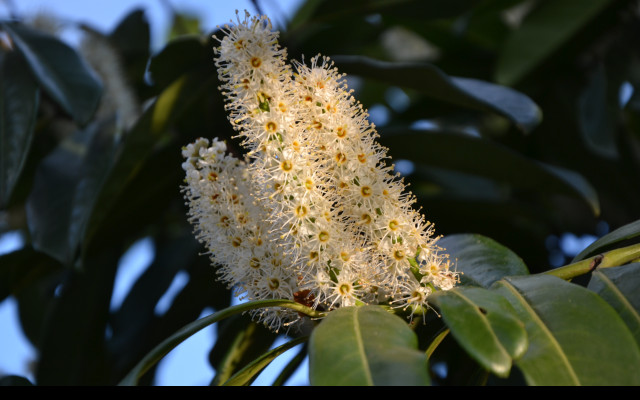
[364,346]
[131,36]
[544,31]
[19,99]
[575,337]
[65,189]
[14,380]
[148,135]
[22,268]
[59,70]
[76,324]
[625,232]
[619,287]
[465,92]
[250,372]
[482,260]
[597,116]
[485,325]
[176,58]
[240,341]
[460,152]
[187,331]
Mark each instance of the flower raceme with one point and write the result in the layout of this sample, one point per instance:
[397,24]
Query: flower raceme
[314,213]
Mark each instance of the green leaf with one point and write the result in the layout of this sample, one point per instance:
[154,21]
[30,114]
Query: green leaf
[178,56]
[365,346]
[598,113]
[14,380]
[148,135]
[465,92]
[460,152]
[22,268]
[625,232]
[19,99]
[482,260]
[544,31]
[485,325]
[59,70]
[187,331]
[619,287]
[65,189]
[239,342]
[292,366]
[184,24]
[249,373]
[575,337]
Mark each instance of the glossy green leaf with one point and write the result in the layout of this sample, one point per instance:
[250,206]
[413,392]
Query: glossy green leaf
[625,232]
[65,189]
[460,153]
[150,133]
[482,260]
[575,337]
[239,342]
[59,69]
[485,325]
[19,99]
[619,287]
[545,30]
[465,92]
[250,372]
[365,346]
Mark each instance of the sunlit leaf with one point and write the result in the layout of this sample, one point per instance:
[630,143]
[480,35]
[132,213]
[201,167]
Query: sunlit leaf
[575,337]
[365,346]
[485,325]
[482,260]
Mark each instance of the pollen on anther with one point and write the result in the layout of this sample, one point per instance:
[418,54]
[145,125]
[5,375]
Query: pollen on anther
[256,62]
[271,126]
[323,236]
[286,165]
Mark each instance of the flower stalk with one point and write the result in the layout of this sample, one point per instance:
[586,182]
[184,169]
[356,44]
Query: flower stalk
[613,258]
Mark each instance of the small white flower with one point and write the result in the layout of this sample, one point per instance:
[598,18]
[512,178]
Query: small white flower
[315,208]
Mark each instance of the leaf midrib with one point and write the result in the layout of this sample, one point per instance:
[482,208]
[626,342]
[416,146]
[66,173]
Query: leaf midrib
[361,351]
[538,322]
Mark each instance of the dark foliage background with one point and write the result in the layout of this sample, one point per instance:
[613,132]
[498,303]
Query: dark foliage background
[533,132]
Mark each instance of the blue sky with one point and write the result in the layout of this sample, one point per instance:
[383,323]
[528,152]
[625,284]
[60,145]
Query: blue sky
[187,364]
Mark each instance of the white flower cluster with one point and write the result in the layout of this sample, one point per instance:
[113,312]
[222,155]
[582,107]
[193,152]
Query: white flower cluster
[314,214]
